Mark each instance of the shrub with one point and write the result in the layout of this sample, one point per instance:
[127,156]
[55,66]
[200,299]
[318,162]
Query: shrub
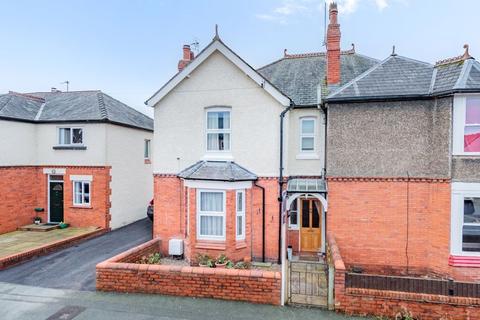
[153,258]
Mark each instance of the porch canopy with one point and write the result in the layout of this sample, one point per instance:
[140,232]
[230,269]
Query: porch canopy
[300,187]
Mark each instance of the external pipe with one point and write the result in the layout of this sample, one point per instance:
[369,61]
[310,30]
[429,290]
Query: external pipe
[280,183]
[263,219]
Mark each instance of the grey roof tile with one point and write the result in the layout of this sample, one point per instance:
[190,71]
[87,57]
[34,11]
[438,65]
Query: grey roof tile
[71,106]
[299,76]
[218,171]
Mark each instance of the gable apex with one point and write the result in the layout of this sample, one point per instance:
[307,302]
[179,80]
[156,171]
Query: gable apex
[218,45]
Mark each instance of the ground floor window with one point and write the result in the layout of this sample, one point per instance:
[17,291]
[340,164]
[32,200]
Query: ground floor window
[466,218]
[240,215]
[211,215]
[81,193]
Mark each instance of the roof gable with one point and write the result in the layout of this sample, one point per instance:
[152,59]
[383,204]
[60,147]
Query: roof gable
[218,45]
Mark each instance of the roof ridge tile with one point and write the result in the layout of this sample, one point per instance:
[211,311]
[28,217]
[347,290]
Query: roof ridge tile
[101,105]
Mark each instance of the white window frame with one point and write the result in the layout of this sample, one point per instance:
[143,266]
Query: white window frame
[240,213]
[207,131]
[460,191]
[147,149]
[294,226]
[59,129]
[211,213]
[459,118]
[308,135]
[83,182]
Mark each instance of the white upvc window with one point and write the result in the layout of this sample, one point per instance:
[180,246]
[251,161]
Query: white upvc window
[293,218]
[70,136]
[465,224]
[218,130]
[146,149]
[240,215]
[307,134]
[466,125]
[81,193]
[211,214]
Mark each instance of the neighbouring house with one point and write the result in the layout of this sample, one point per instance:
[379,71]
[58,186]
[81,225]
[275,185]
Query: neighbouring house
[81,157]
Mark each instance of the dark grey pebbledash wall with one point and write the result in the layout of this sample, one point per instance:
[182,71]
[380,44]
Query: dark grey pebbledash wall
[387,139]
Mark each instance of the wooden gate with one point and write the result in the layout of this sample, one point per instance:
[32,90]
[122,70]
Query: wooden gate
[307,283]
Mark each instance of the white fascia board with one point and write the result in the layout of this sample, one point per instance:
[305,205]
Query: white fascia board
[235,59]
[218,185]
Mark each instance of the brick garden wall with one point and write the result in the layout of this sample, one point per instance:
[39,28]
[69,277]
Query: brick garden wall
[228,284]
[24,188]
[388,303]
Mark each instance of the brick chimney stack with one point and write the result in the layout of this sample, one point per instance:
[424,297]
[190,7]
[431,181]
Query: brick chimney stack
[333,46]
[187,57]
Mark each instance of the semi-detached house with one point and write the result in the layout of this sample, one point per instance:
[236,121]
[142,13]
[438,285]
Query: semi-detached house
[382,155]
[81,157]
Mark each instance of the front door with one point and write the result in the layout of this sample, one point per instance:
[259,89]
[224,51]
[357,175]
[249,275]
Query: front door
[56,201]
[310,228]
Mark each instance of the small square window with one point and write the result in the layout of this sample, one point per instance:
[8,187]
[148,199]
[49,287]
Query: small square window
[70,136]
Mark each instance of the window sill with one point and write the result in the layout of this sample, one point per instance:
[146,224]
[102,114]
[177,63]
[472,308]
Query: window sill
[81,207]
[211,244]
[307,156]
[147,161]
[69,148]
[241,243]
[464,261]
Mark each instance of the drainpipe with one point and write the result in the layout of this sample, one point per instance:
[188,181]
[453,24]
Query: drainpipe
[263,219]
[325,111]
[280,183]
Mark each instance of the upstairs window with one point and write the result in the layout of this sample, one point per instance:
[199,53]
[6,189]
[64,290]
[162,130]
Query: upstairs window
[218,130]
[70,136]
[471,135]
[307,134]
[146,149]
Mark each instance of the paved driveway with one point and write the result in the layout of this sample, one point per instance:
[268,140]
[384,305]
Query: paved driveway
[74,267]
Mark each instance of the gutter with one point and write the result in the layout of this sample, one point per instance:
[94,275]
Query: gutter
[280,183]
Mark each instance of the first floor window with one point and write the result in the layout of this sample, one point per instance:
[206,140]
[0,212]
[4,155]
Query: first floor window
[471,136]
[240,215]
[146,151]
[211,215]
[70,136]
[307,135]
[471,224]
[81,193]
[294,215]
[218,130]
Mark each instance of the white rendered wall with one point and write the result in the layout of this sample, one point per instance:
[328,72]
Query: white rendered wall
[17,143]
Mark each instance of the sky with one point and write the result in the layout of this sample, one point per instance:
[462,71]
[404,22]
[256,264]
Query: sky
[130,48]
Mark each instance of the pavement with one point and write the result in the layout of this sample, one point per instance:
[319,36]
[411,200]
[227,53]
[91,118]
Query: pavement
[21,241]
[26,302]
[74,267]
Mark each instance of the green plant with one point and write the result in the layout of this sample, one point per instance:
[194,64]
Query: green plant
[243,265]
[221,259]
[230,264]
[153,258]
[404,314]
[37,218]
[205,260]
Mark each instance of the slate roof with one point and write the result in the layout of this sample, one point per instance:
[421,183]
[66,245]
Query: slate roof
[302,76]
[399,76]
[72,106]
[217,171]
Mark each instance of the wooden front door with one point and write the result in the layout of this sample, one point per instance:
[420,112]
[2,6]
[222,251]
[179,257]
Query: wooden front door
[310,226]
[56,201]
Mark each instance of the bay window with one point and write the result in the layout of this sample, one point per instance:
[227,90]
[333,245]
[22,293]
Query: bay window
[218,130]
[211,215]
[465,233]
[240,215]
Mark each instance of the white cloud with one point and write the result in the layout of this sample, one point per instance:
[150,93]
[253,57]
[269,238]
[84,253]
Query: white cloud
[381,4]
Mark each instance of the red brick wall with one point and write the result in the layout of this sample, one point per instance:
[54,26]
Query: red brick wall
[389,303]
[24,188]
[228,284]
[369,220]
[172,211]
